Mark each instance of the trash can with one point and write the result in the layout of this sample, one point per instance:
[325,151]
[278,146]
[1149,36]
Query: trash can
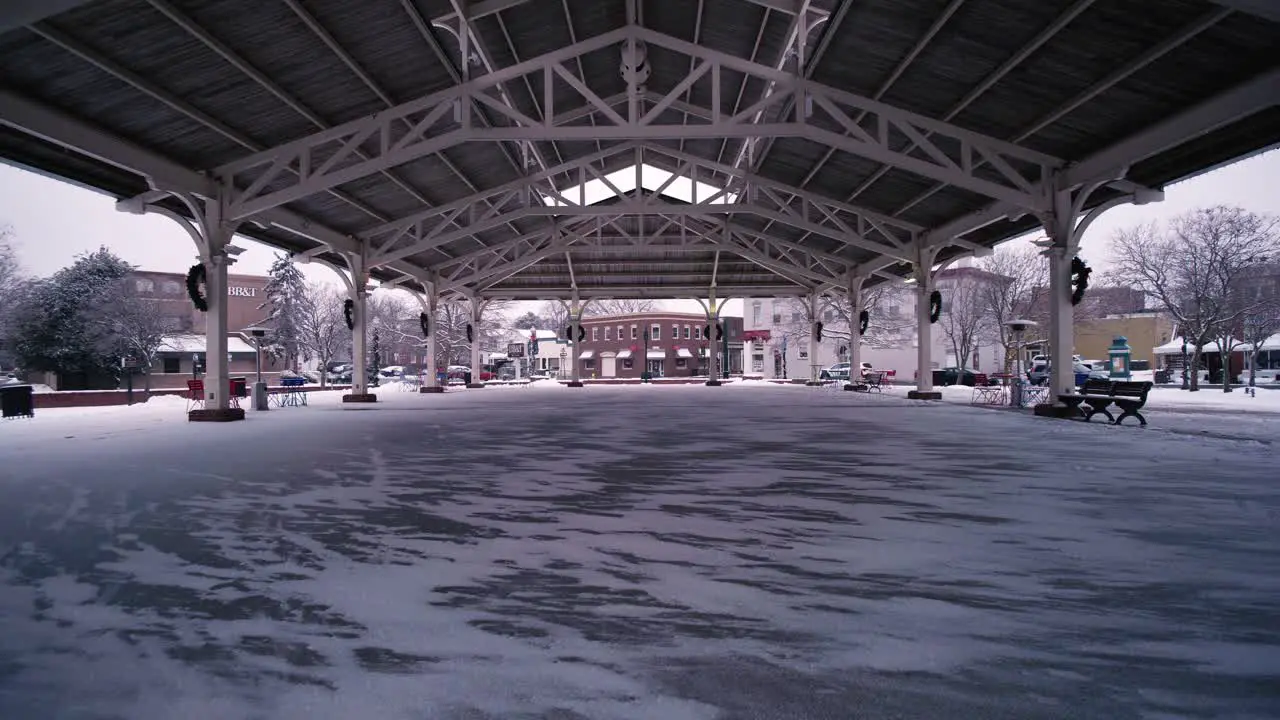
[466,377]
[16,401]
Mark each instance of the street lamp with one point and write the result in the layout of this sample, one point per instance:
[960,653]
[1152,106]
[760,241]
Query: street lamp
[259,387]
[1017,327]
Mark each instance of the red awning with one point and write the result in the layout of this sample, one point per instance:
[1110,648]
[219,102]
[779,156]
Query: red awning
[755,336]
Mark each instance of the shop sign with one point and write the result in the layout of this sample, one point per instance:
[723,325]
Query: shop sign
[234,291]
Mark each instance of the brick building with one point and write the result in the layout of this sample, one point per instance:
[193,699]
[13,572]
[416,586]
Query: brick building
[617,346]
[244,294]
[182,354]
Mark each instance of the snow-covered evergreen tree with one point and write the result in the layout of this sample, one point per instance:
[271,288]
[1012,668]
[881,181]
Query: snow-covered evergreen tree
[55,326]
[286,307]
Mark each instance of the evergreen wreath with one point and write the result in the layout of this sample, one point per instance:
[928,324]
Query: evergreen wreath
[863,318]
[195,278]
[471,333]
[424,321]
[1079,279]
[935,306]
[348,306]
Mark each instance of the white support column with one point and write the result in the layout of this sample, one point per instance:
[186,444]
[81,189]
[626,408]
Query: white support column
[430,306]
[217,380]
[477,310]
[813,338]
[923,274]
[213,238]
[856,307]
[575,328]
[1060,226]
[359,321]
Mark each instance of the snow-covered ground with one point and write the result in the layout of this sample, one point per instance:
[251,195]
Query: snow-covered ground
[1264,400]
[632,552]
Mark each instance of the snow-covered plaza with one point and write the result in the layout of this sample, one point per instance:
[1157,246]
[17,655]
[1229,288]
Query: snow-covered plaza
[748,551]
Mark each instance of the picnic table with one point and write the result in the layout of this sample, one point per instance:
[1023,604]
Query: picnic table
[292,392]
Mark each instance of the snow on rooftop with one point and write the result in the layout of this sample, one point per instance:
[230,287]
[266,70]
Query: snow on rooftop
[196,344]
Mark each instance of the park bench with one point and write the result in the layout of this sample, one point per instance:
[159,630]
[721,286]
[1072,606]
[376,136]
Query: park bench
[1097,395]
[871,380]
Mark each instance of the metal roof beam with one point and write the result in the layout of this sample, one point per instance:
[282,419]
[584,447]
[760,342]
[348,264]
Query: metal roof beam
[479,9]
[643,291]
[1112,163]
[58,128]
[1155,52]
[1268,9]
[376,143]
[20,13]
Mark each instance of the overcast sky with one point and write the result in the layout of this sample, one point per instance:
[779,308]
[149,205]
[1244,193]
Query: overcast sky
[54,221]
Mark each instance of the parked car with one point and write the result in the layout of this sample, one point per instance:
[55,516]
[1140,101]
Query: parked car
[839,371]
[1039,372]
[1263,375]
[953,376]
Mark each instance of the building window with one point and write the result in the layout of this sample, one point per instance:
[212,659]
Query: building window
[697,333]
[675,332]
[828,316]
[755,314]
[655,333]
[608,333]
[589,364]
[628,364]
[681,363]
[795,317]
[619,332]
[595,334]
[143,285]
[635,332]
[171,288]
[688,332]
[172,366]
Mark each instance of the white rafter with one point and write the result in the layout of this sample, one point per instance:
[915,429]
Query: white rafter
[376,143]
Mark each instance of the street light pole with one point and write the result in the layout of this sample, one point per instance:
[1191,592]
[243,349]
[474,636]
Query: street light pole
[259,387]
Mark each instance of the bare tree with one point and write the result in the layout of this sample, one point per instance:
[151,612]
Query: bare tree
[322,326]
[126,324]
[556,314]
[1195,270]
[1260,325]
[1018,293]
[602,307]
[965,319]
[890,323]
